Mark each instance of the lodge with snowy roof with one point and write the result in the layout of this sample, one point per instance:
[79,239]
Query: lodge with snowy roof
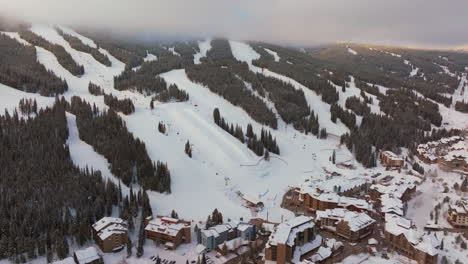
[314,199]
[350,225]
[402,237]
[168,231]
[110,233]
[451,154]
[458,214]
[391,160]
[291,240]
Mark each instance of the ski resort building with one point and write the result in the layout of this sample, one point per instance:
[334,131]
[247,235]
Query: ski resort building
[350,225]
[391,160]
[110,233]
[292,240]
[168,231]
[313,199]
[451,154]
[401,236]
[458,214]
[217,235]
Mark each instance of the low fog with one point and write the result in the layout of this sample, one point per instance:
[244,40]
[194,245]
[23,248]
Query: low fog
[424,23]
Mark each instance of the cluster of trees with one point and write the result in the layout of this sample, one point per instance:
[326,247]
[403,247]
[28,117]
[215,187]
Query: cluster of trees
[461,106]
[108,134]
[130,53]
[266,138]
[303,69]
[256,144]
[121,105]
[77,44]
[20,69]
[172,93]
[289,102]
[162,128]
[234,131]
[247,89]
[225,83]
[311,125]
[48,203]
[382,132]
[28,106]
[63,57]
[95,89]
[216,218]
[357,105]
[144,80]
[418,168]
[347,117]
[406,105]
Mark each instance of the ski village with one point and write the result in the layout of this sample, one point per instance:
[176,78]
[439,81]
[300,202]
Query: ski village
[190,173]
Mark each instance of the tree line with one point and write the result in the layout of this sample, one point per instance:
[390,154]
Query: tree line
[63,57]
[48,203]
[461,106]
[77,44]
[172,93]
[20,69]
[95,89]
[120,105]
[255,143]
[108,134]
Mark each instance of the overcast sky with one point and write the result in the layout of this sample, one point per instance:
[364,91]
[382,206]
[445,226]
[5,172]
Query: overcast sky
[429,23]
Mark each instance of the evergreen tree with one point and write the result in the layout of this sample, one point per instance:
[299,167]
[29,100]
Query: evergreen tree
[216,116]
[129,248]
[188,149]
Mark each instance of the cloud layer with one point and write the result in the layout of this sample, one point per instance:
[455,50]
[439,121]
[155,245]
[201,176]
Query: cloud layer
[430,23]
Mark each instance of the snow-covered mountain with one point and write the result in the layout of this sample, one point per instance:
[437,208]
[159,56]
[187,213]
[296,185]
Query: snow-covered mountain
[221,167]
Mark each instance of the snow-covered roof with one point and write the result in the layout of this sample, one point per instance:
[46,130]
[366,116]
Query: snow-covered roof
[112,229]
[392,155]
[233,243]
[221,228]
[397,225]
[307,247]
[452,148]
[105,221]
[395,189]
[461,207]
[341,201]
[87,255]
[391,204]
[210,232]
[286,232]
[243,227]
[334,183]
[321,254]
[356,221]
[428,243]
[166,225]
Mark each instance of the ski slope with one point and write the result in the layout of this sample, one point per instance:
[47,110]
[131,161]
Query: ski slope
[243,52]
[84,156]
[204,47]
